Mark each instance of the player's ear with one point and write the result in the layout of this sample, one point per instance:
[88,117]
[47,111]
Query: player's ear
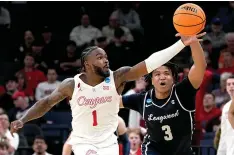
[86,64]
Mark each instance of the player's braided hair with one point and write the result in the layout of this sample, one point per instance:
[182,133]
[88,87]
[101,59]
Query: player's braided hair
[84,55]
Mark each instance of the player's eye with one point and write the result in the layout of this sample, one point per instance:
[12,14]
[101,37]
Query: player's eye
[99,58]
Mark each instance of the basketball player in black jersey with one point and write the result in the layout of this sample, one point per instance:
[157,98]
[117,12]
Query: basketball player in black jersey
[168,108]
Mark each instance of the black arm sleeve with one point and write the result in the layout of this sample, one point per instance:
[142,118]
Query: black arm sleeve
[134,102]
[186,94]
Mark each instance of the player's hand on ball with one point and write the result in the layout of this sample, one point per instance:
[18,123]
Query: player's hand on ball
[187,40]
[16,125]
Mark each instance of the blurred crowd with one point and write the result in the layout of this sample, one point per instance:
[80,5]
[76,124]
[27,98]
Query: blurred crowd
[35,64]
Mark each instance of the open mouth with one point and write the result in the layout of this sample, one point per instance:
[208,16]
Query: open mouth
[162,83]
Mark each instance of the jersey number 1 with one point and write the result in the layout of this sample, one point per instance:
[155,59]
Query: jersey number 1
[94,113]
[168,135]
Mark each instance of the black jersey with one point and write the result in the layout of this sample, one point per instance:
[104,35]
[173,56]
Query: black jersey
[170,121]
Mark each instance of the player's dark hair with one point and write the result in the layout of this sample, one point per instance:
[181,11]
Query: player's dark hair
[86,53]
[39,137]
[30,55]
[51,68]
[172,67]
[212,94]
[231,77]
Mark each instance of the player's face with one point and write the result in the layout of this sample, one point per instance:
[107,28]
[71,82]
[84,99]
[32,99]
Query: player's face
[162,79]
[134,140]
[98,63]
[230,85]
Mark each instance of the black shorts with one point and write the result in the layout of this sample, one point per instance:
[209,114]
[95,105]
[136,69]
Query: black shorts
[151,148]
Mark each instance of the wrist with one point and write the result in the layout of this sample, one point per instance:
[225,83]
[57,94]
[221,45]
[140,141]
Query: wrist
[180,43]
[22,120]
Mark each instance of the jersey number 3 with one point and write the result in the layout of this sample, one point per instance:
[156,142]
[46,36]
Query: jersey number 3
[94,113]
[168,135]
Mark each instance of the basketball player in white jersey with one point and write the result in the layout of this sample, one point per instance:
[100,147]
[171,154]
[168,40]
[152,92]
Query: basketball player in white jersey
[94,97]
[121,132]
[226,143]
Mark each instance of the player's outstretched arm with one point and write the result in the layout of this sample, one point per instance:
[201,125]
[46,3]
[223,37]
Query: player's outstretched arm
[42,106]
[155,60]
[198,69]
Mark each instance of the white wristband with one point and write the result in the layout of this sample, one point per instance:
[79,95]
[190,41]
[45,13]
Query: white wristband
[159,58]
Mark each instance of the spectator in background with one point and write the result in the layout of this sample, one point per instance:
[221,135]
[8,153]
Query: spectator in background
[135,120]
[102,43]
[212,53]
[6,101]
[51,48]
[226,14]
[207,80]
[85,33]
[134,136]
[216,36]
[33,75]
[25,47]
[21,103]
[4,132]
[127,16]
[70,62]
[229,38]
[40,146]
[40,63]
[209,111]
[228,63]
[221,95]
[22,86]
[45,88]
[108,30]
[119,50]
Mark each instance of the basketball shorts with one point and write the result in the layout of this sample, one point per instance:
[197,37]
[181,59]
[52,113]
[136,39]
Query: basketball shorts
[86,149]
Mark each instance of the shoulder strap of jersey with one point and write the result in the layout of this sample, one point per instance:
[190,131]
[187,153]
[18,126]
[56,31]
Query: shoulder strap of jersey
[110,79]
[144,102]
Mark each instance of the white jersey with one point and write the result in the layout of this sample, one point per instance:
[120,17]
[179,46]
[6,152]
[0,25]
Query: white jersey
[226,142]
[95,112]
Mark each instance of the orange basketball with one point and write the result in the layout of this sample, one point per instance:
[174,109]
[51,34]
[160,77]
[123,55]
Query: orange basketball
[189,19]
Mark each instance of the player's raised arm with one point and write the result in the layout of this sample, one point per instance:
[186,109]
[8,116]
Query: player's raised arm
[42,106]
[155,60]
[197,71]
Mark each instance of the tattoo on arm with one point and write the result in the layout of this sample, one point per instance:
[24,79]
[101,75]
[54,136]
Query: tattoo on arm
[125,74]
[44,105]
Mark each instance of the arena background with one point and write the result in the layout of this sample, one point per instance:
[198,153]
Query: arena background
[157,32]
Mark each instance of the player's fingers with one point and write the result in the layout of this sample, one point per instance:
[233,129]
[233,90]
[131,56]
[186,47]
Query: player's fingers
[200,40]
[201,34]
[178,35]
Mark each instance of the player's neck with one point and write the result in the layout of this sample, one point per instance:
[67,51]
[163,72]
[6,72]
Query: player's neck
[162,95]
[93,79]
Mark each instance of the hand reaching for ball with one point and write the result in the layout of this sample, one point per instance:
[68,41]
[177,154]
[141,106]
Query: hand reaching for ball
[187,40]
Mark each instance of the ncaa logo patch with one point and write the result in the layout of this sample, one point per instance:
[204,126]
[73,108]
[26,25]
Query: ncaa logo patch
[148,100]
[107,80]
